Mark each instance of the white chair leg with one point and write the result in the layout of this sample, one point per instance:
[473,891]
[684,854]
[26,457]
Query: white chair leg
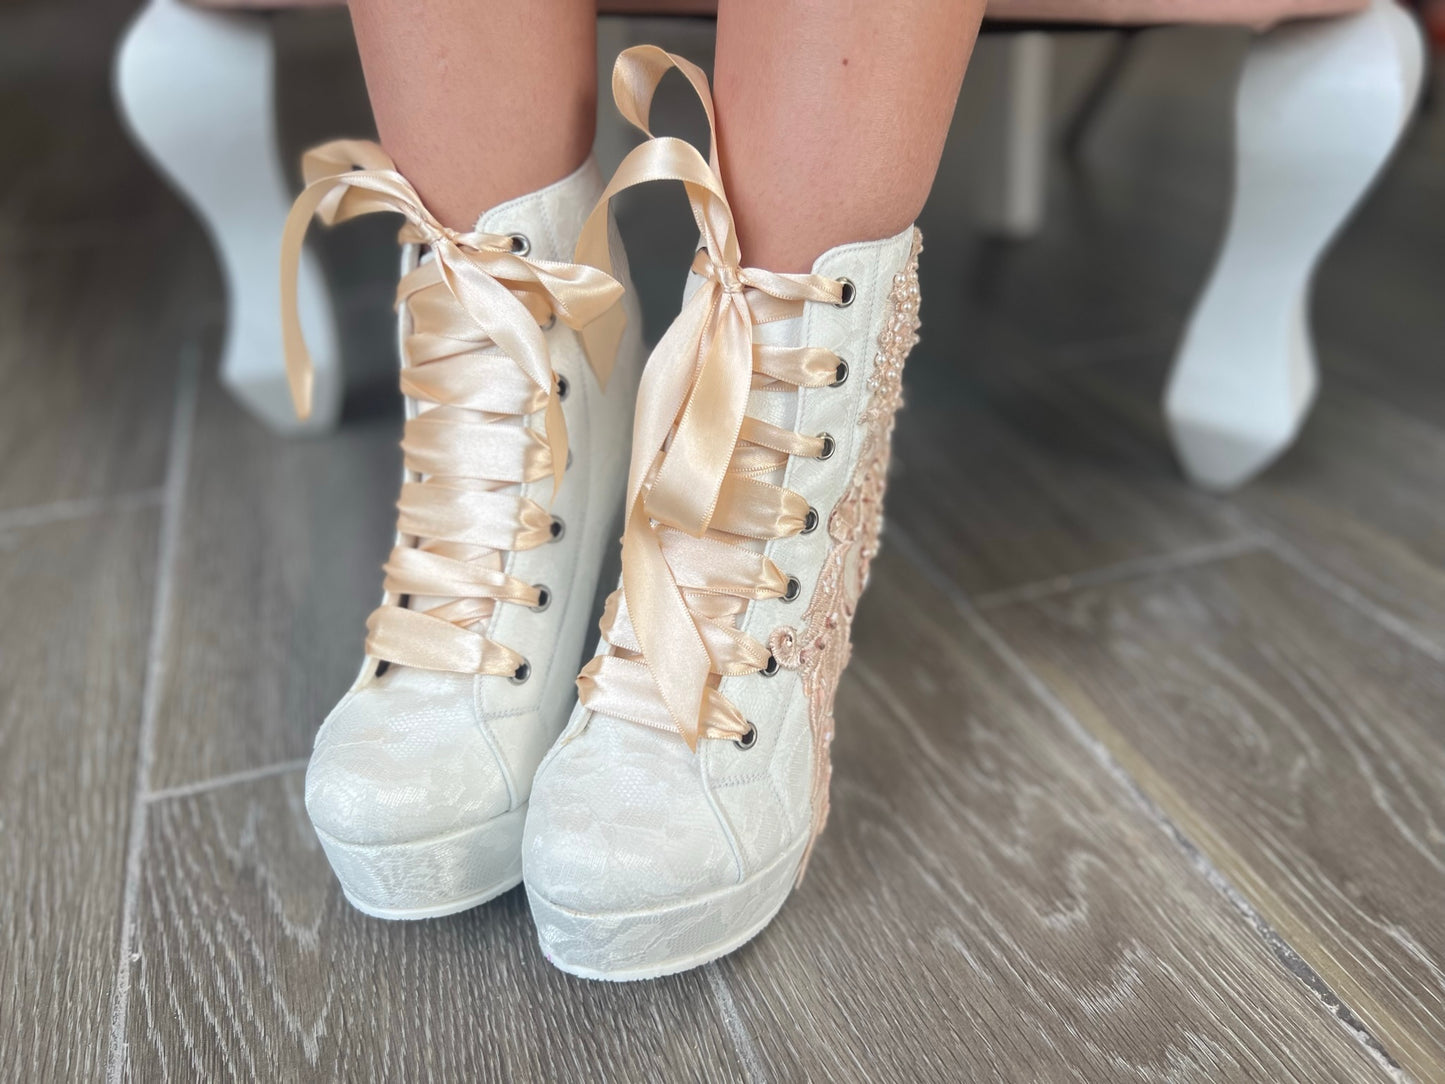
[1011,141]
[1320,107]
[196,90]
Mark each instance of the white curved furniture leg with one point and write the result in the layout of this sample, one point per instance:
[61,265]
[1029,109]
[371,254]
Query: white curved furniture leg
[196,90]
[1320,107]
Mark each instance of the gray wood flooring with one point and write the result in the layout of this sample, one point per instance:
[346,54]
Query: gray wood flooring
[1131,782]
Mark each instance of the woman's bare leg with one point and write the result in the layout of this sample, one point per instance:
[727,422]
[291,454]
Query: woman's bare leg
[832,116]
[480,101]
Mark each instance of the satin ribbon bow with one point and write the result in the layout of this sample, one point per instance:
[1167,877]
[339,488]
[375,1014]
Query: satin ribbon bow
[349,178]
[690,408]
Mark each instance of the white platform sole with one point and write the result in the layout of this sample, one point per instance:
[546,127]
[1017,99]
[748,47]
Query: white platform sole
[632,945]
[431,877]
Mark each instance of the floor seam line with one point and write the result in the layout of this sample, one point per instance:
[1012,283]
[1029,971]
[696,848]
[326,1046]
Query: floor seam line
[737,1029]
[1350,596]
[172,507]
[219,782]
[42,515]
[1134,568]
[1277,945]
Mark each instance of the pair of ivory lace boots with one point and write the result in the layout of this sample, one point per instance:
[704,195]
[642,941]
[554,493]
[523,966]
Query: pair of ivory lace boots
[664,823]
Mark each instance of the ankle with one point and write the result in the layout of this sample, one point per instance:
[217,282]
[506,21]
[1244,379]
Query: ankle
[459,183]
[788,238]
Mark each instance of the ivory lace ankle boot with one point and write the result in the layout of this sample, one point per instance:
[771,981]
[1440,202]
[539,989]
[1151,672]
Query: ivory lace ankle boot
[677,810]
[515,446]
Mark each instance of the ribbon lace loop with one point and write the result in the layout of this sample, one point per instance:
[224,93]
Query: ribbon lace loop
[694,495]
[477,365]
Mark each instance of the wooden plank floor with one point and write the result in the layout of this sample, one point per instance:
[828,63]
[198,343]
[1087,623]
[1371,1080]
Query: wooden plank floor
[996,905]
[1296,741]
[72,674]
[1131,783]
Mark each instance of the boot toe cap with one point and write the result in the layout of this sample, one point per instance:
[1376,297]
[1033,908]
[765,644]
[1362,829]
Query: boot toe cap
[620,821]
[400,761]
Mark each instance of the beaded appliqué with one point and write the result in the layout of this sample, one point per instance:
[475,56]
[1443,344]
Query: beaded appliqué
[820,648]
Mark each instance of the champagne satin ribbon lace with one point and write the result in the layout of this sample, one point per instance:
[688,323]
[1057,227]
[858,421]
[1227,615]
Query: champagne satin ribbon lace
[696,488]
[477,364]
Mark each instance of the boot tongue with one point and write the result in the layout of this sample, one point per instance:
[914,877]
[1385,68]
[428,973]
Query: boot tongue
[418,407]
[778,406]
[549,221]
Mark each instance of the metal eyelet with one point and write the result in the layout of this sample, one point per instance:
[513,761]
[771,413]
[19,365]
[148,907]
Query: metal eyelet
[558,528]
[544,598]
[842,377]
[520,245]
[521,674]
[849,293]
[563,384]
[568,465]
[748,740]
[551,322]
[771,668]
[792,590]
[810,522]
[829,446]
